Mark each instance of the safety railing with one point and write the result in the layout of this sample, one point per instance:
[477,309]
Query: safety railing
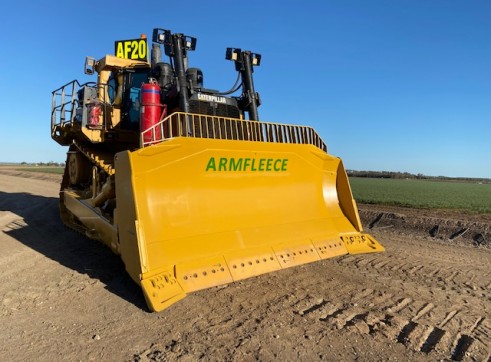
[203,126]
[64,103]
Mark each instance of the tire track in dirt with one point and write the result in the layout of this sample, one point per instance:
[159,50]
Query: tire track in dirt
[421,324]
[475,280]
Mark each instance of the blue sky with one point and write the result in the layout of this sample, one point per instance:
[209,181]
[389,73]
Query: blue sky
[401,85]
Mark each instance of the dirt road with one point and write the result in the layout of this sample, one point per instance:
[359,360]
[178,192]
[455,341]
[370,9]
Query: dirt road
[64,297]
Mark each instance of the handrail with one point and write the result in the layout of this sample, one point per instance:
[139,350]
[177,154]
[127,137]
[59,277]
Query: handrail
[181,124]
[65,102]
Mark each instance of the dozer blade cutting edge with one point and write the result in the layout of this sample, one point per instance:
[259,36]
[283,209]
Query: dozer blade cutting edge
[194,213]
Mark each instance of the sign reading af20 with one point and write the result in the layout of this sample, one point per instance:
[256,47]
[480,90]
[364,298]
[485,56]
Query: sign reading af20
[135,49]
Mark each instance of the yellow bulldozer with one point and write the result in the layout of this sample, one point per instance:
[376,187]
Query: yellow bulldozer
[185,183]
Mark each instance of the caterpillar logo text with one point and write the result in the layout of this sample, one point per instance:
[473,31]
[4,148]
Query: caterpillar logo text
[210,98]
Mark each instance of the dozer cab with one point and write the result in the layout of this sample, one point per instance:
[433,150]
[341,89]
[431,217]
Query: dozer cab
[185,183]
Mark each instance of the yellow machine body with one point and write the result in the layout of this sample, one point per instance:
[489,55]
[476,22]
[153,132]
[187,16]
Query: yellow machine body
[195,213]
[173,178]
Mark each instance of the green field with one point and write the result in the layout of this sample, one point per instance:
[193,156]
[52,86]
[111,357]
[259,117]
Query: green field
[43,169]
[466,196]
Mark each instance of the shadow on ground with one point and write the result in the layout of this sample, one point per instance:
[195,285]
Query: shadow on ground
[40,228]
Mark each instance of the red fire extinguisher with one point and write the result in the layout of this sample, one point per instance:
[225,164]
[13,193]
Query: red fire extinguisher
[95,111]
[150,111]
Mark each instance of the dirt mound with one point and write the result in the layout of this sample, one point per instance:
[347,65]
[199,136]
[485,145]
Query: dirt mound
[444,225]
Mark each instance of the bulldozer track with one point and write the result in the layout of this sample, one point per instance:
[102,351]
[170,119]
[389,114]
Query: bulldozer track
[105,161]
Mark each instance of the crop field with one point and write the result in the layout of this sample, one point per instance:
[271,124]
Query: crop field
[42,169]
[465,196]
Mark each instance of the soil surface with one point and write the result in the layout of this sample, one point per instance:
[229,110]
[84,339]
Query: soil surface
[65,297]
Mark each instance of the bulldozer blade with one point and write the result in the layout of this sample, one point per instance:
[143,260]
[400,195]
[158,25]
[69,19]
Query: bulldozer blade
[195,213]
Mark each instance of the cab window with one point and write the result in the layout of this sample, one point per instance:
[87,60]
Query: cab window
[111,89]
[134,80]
